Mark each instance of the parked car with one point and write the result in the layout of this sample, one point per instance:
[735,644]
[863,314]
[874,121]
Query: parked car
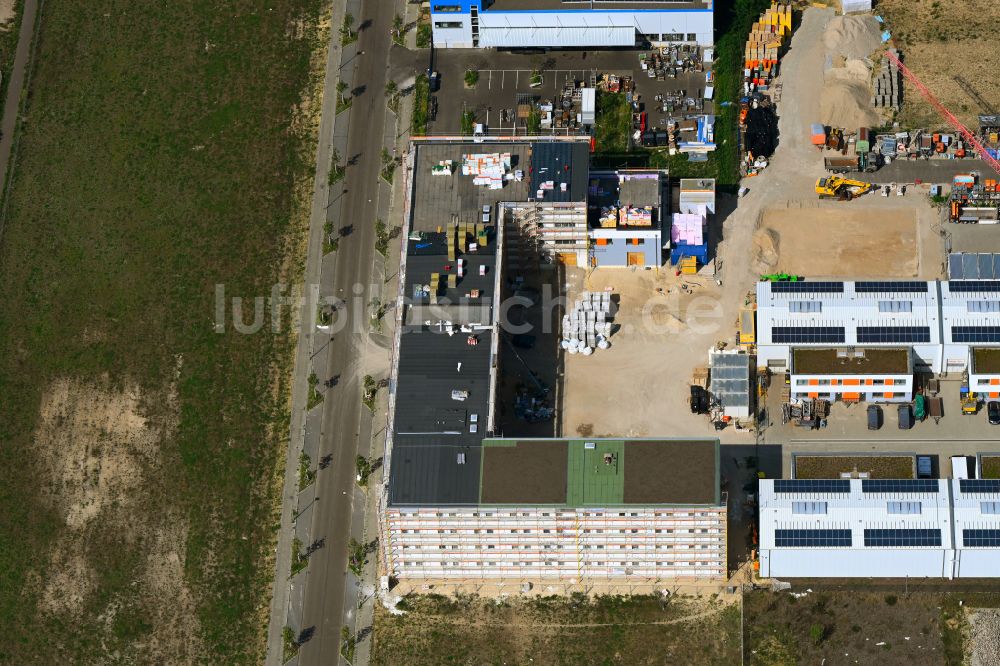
[993,412]
[905,413]
[874,417]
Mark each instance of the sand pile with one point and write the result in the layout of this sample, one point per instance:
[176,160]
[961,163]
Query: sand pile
[852,36]
[765,250]
[846,99]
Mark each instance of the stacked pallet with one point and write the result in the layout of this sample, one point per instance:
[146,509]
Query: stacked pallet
[588,325]
[636,216]
[766,43]
[888,86]
[487,169]
[608,218]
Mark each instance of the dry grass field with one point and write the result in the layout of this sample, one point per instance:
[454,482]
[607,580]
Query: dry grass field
[940,40]
[556,630]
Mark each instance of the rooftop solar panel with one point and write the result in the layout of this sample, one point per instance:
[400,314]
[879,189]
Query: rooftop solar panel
[806,538]
[893,334]
[979,485]
[968,286]
[981,538]
[812,485]
[887,287]
[807,334]
[975,333]
[895,538]
[899,486]
[807,287]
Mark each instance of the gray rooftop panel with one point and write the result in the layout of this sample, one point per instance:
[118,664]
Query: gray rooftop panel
[955,269]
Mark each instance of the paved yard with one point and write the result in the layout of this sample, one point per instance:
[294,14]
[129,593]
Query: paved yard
[847,431]
[502,76]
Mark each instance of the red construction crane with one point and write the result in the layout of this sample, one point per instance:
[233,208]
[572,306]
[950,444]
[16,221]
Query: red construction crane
[967,134]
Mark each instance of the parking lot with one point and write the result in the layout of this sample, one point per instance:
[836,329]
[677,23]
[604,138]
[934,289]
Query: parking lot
[505,76]
[847,431]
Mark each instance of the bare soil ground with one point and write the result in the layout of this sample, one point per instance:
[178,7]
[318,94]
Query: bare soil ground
[556,630]
[940,40]
[848,241]
[639,387]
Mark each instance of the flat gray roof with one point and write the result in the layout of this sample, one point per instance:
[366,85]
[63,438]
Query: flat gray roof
[438,201]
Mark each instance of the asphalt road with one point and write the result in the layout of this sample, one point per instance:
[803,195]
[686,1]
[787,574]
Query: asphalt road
[324,607]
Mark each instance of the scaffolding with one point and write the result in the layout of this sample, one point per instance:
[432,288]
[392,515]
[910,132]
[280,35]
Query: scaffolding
[557,542]
[550,229]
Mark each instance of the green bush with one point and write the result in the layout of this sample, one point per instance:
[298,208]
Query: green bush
[423,36]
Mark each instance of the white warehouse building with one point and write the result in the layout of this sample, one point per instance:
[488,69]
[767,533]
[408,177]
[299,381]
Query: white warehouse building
[569,23]
[879,528]
[941,323]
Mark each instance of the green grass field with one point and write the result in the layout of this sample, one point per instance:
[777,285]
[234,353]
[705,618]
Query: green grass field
[162,153]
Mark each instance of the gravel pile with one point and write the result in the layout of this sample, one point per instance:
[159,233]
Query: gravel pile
[984,637]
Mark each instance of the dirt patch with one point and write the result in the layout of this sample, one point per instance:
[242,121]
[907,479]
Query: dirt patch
[845,241]
[765,250]
[830,467]
[98,446]
[96,442]
[71,581]
[8,11]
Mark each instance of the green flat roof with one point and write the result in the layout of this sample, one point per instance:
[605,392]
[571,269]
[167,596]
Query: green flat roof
[599,472]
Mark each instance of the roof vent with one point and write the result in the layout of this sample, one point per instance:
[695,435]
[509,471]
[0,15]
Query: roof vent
[461,458]
[590,445]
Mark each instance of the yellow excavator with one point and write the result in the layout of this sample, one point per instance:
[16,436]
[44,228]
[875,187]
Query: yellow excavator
[845,189]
